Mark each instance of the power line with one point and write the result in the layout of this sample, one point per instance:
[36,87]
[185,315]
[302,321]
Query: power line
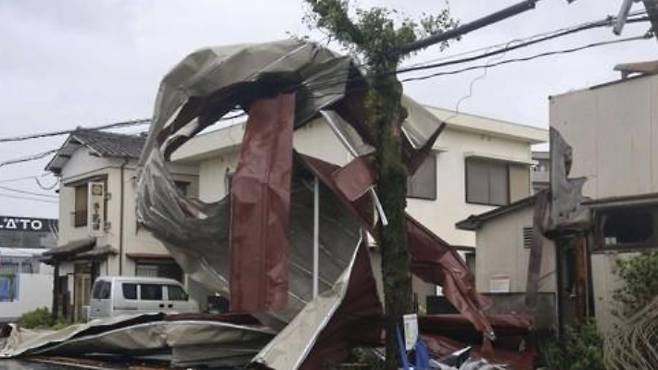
[552,35]
[531,57]
[28,158]
[66,132]
[11,196]
[23,178]
[28,192]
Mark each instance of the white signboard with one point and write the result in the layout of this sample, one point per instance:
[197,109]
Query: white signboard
[499,284]
[410,331]
[96,208]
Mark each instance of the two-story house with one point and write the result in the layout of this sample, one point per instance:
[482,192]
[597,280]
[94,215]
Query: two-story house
[477,164]
[98,231]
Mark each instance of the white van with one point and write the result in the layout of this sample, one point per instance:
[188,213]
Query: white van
[113,296]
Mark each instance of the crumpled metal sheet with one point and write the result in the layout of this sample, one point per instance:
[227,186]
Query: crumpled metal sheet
[29,341]
[212,81]
[566,212]
[260,205]
[346,316]
[432,259]
[188,341]
[196,234]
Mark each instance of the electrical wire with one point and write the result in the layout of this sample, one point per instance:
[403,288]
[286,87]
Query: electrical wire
[11,196]
[528,58]
[3,181]
[28,158]
[65,132]
[44,187]
[550,36]
[28,192]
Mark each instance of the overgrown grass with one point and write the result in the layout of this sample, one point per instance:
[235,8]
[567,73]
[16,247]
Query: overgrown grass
[41,319]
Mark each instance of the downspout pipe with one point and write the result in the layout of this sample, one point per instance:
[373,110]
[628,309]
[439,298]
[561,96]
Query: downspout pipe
[121,213]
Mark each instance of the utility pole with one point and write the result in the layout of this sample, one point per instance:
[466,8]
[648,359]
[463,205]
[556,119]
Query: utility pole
[468,27]
[652,10]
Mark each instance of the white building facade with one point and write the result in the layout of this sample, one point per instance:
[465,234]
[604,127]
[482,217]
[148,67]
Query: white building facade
[98,233]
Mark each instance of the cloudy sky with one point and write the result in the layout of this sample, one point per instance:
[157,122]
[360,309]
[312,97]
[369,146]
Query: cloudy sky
[78,62]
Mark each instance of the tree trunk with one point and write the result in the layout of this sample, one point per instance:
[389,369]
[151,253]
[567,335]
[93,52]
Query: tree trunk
[385,114]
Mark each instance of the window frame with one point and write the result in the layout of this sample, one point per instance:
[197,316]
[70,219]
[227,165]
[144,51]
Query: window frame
[80,216]
[486,160]
[141,295]
[123,290]
[599,237]
[431,156]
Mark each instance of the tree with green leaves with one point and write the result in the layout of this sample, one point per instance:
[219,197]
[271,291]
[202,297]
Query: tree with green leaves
[376,35]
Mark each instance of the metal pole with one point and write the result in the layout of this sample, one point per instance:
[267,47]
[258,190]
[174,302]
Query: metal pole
[316,237]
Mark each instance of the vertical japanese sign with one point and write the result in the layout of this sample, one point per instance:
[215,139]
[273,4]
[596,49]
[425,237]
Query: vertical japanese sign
[96,209]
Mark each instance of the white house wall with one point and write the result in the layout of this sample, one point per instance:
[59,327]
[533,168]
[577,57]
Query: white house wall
[440,215]
[501,253]
[613,130]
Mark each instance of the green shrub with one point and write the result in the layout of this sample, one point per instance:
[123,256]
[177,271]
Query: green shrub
[640,277]
[580,348]
[40,319]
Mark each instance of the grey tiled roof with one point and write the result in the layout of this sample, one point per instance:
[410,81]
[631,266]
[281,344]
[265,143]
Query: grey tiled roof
[109,144]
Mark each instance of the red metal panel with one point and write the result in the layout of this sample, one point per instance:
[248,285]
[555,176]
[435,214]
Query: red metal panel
[260,206]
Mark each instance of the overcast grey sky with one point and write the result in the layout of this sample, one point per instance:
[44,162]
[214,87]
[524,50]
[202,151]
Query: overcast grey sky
[80,62]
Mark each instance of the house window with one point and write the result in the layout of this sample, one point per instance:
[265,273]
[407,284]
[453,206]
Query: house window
[487,182]
[627,227]
[165,269]
[80,210]
[8,287]
[182,186]
[422,184]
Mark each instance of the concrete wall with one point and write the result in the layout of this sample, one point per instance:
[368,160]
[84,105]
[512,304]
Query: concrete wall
[34,291]
[500,252]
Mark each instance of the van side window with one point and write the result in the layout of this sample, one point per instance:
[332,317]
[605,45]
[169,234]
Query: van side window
[129,290]
[151,292]
[176,293]
[101,290]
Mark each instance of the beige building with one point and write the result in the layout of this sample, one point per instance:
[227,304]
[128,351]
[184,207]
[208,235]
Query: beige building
[613,129]
[98,231]
[503,238]
[477,164]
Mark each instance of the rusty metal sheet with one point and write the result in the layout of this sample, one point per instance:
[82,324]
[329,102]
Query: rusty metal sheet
[260,208]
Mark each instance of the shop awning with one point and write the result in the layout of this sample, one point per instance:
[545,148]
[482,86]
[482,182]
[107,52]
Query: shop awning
[71,248]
